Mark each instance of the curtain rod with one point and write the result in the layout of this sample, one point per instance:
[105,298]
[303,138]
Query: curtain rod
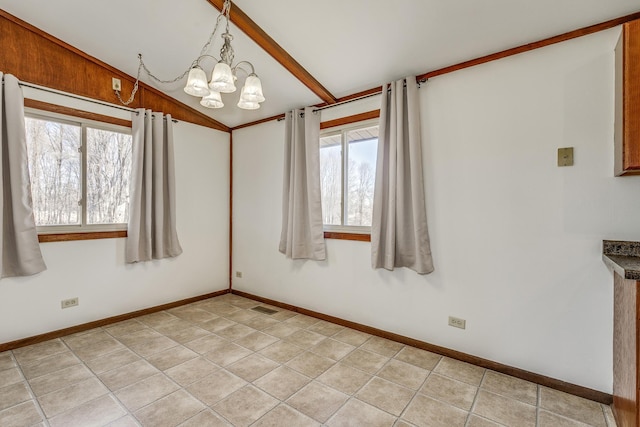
[81,98]
[369,95]
[362,97]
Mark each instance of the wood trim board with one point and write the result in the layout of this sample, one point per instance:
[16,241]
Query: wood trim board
[531,46]
[12,345]
[230,210]
[374,114]
[68,237]
[257,122]
[553,383]
[359,237]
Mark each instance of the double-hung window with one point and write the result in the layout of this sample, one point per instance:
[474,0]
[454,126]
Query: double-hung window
[347,176]
[80,172]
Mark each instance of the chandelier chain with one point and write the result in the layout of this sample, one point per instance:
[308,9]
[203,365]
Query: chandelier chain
[142,66]
[135,87]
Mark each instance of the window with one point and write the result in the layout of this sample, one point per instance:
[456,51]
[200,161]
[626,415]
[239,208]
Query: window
[347,176]
[80,173]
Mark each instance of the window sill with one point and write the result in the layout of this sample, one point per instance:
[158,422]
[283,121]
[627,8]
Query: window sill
[68,237]
[360,237]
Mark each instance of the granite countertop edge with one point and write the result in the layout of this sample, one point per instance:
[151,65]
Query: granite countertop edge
[623,257]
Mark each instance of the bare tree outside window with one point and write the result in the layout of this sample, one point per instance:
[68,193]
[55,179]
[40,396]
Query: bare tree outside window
[56,168]
[362,169]
[108,173]
[331,181]
[347,186]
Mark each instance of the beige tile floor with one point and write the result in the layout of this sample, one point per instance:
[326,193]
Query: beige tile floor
[219,363]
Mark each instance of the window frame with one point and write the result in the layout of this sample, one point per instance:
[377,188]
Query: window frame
[342,231]
[81,231]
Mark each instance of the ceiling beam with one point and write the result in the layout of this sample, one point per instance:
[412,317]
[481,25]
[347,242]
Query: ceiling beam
[262,39]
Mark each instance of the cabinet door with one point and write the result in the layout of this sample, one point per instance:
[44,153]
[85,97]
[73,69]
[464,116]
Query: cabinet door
[627,128]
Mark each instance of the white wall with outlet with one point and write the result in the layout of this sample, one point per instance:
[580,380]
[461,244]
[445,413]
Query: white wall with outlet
[94,270]
[516,239]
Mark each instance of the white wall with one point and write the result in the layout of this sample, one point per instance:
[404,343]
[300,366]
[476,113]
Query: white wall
[516,239]
[94,270]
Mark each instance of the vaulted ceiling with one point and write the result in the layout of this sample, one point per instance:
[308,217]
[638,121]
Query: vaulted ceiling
[345,46]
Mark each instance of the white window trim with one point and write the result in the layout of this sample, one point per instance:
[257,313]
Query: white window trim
[343,130]
[83,124]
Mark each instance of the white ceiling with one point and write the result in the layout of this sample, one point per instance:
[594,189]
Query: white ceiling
[347,45]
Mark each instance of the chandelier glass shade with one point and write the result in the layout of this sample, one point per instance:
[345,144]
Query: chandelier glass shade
[212,100]
[222,79]
[197,82]
[252,90]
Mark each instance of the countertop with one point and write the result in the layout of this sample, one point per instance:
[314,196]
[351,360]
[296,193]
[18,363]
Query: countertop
[622,257]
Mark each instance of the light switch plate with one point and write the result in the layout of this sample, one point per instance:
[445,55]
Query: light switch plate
[565,156]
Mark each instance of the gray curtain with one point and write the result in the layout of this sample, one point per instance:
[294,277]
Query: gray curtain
[302,231]
[21,254]
[152,231]
[399,235]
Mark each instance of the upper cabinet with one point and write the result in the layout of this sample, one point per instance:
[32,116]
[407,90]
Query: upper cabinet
[627,125]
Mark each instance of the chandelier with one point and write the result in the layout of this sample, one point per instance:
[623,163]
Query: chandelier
[223,76]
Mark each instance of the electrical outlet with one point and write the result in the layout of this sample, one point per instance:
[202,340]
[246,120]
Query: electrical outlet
[239,274]
[116,84]
[457,322]
[71,302]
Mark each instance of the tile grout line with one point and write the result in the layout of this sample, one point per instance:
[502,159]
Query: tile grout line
[374,376]
[112,393]
[475,398]
[538,404]
[163,373]
[413,398]
[220,367]
[34,398]
[335,362]
[82,361]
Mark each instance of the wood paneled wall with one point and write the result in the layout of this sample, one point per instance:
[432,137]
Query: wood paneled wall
[37,57]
